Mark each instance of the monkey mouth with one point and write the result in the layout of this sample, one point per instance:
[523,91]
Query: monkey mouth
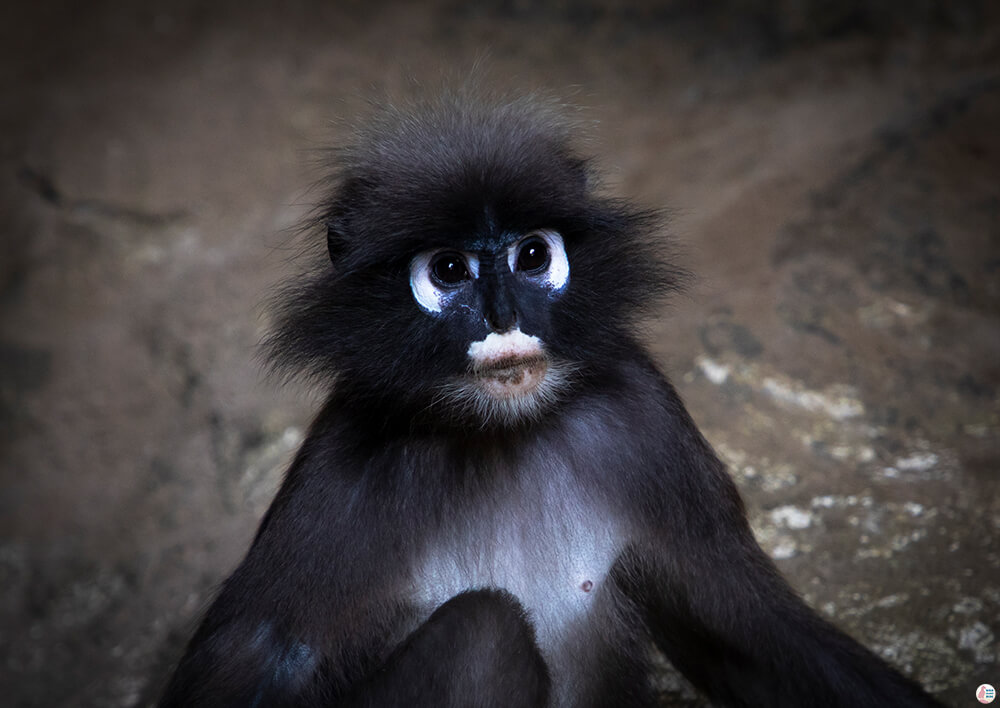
[511,377]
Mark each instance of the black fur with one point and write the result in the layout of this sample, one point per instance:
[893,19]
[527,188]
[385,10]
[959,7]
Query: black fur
[329,607]
[438,175]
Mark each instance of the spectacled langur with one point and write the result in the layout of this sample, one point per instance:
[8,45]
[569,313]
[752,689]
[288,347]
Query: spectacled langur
[502,500]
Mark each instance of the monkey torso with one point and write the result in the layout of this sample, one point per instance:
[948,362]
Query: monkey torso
[543,514]
[550,545]
[551,519]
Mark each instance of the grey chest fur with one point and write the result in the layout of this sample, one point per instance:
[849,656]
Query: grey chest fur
[547,543]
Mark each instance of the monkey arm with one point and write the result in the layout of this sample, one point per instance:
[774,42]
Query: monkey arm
[243,663]
[718,608]
[479,639]
[305,615]
[313,616]
[741,635]
[257,647]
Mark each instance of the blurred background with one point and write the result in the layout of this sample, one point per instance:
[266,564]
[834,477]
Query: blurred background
[833,168]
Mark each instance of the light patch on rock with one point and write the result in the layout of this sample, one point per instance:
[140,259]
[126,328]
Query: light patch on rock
[892,600]
[784,549]
[780,477]
[837,401]
[978,638]
[917,462]
[903,540]
[715,372]
[832,501]
[967,606]
[792,517]
[839,404]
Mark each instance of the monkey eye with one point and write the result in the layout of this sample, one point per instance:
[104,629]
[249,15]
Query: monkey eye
[449,269]
[438,277]
[532,255]
[540,257]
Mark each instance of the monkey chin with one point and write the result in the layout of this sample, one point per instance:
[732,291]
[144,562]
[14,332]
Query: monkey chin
[506,392]
[512,378]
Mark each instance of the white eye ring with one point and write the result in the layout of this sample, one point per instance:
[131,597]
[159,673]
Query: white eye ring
[428,294]
[556,275]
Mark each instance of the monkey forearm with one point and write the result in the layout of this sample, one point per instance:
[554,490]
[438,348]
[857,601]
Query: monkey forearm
[735,628]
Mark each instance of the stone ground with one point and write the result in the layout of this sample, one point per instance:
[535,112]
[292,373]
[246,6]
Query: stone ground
[835,174]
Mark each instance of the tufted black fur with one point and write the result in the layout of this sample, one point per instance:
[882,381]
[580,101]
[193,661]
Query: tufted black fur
[438,175]
[392,501]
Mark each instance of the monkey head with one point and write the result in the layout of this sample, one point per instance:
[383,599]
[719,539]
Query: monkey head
[475,275]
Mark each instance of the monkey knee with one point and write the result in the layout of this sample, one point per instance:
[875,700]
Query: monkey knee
[490,630]
[487,616]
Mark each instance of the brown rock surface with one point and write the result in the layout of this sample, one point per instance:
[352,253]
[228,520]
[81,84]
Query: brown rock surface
[835,171]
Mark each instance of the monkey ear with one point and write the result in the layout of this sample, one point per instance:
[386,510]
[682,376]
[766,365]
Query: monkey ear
[335,241]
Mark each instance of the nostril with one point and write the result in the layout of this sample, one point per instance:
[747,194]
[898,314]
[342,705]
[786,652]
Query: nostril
[501,321]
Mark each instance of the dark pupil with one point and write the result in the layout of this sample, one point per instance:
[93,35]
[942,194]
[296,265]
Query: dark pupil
[533,255]
[450,269]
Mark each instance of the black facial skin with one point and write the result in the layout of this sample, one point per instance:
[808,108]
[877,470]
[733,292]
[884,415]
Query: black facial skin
[496,299]
[604,521]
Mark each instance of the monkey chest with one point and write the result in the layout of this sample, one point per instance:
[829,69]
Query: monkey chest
[553,557]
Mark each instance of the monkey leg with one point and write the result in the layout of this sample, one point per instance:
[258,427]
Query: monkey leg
[476,649]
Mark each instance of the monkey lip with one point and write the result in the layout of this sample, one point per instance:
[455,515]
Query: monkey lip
[511,377]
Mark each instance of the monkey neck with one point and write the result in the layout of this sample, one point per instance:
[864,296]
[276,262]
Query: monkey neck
[372,420]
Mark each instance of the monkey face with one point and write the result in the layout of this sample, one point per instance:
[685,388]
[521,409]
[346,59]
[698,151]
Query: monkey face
[499,297]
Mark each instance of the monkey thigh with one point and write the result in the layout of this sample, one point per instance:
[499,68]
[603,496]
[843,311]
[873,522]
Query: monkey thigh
[478,648]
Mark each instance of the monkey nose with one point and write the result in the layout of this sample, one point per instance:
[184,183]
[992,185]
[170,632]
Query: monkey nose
[498,304]
[501,321]
[500,315]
